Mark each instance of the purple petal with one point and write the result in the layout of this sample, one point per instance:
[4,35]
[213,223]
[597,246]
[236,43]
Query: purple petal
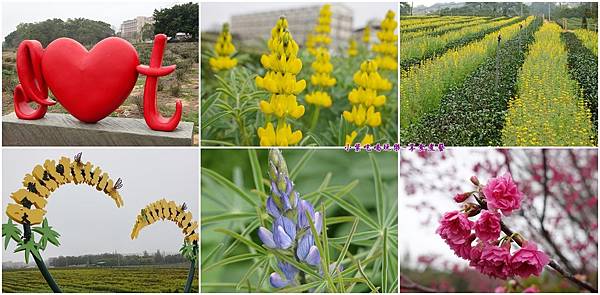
[303,207]
[282,240]
[289,185]
[304,246]
[313,258]
[274,189]
[288,270]
[272,208]
[318,222]
[288,226]
[277,281]
[266,237]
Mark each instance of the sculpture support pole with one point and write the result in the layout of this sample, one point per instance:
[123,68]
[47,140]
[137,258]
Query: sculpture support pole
[40,263]
[151,113]
[190,278]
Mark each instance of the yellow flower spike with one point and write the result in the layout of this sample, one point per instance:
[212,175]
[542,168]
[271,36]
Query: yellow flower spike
[350,138]
[319,98]
[282,65]
[368,139]
[352,48]
[224,49]
[366,38]
[283,136]
[387,49]
[22,195]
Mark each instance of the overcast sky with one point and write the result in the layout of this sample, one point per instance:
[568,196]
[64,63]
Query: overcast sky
[112,12]
[214,14]
[88,220]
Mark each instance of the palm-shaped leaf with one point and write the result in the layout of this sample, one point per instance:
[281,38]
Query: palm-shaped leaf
[29,247]
[11,231]
[189,251]
[47,235]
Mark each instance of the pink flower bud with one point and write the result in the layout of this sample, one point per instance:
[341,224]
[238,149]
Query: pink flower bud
[474,180]
[459,198]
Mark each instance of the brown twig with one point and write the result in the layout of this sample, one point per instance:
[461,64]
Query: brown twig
[408,284]
[519,240]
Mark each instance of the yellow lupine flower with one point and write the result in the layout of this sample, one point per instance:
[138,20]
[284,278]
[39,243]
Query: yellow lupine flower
[352,48]
[282,105]
[366,96]
[366,38]
[319,98]
[282,65]
[224,49]
[283,136]
[322,30]
[322,66]
[361,116]
[387,48]
[368,139]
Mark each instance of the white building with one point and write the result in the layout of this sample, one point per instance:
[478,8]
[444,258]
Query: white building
[256,27]
[132,29]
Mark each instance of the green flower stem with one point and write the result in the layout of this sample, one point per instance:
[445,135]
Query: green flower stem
[40,263]
[315,117]
[190,278]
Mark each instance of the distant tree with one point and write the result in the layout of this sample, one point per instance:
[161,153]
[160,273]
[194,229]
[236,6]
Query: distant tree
[405,8]
[181,18]
[85,31]
[147,32]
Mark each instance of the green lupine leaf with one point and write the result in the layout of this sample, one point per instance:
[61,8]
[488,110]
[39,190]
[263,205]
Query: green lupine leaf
[256,171]
[251,270]
[303,160]
[242,239]
[11,231]
[232,259]
[227,183]
[352,210]
[378,189]
[226,217]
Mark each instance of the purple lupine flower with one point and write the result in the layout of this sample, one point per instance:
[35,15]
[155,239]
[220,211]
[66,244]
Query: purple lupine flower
[291,226]
[289,273]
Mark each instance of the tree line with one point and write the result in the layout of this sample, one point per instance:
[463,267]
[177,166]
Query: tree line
[181,18]
[116,259]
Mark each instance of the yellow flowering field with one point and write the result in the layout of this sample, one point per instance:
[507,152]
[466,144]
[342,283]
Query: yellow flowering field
[548,109]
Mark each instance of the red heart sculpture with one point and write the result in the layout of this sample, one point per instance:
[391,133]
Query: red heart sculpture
[90,85]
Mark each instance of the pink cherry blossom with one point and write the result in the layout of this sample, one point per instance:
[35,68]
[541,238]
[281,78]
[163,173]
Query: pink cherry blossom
[487,227]
[494,261]
[462,250]
[531,289]
[455,227]
[528,261]
[503,194]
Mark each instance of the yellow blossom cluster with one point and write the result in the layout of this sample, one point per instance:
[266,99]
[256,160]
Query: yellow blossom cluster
[352,48]
[224,49]
[547,113]
[282,65]
[366,38]
[365,98]
[322,30]
[387,49]
[322,67]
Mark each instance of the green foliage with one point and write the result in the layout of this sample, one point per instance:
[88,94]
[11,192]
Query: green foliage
[29,247]
[189,251]
[100,279]
[488,9]
[472,114]
[47,235]
[86,31]
[583,67]
[360,230]
[181,18]
[10,231]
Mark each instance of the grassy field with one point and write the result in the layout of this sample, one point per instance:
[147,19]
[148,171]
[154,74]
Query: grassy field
[182,84]
[80,280]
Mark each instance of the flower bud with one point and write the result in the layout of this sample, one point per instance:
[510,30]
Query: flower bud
[471,209]
[475,180]
[459,198]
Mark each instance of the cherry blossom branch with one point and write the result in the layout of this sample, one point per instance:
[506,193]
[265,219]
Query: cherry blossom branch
[408,284]
[519,240]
